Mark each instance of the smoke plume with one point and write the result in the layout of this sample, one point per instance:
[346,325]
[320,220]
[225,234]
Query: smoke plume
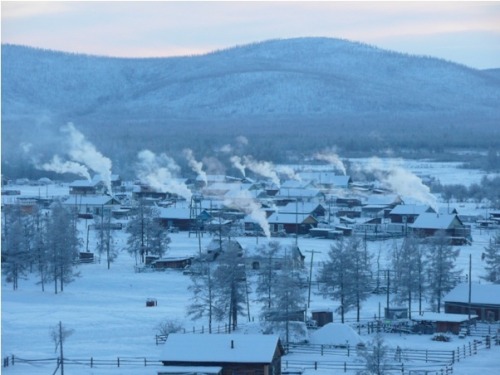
[236,161]
[263,168]
[84,152]
[196,166]
[246,203]
[333,159]
[402,182]
[59,166]
[159,172]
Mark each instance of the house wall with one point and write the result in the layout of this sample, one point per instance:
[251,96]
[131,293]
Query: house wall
[484,312]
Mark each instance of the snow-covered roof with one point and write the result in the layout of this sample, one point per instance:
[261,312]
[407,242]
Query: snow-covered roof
[430,220]
[305,193]
[409,209]
[329,178]
[234,348]
[175,213]
[294,184]
[280,218]
[385,199]
[91,200]
[480,294]
[84,183]
[442,317]
[198,370]
[299,207]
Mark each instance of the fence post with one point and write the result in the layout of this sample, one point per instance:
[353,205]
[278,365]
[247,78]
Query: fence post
[426,355]
[118,361]
[315,365]
[13,360]
[6,362]
[475,347]
[145,362]
[458,354]
[348,351]
[345,366]
[453,357]
[91,362]
[202,329]
[470,349]
[321,349]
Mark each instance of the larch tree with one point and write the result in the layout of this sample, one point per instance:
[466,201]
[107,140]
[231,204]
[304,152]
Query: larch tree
[491,257]
[345,276]
[267,273]
[203,295]
[15,245]
[441,274]
[229,281]
[407,263]
[146,236]
[289,293]
[63,245]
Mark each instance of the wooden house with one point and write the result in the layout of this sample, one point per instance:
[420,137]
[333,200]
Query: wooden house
[327,179]
[305,195]
[251,354]
[408,213]
[304,208]
[429,224]
[291,223]
[485,301]
[182,217]
[379,205]
[255,258]
[91,205]
[87,187]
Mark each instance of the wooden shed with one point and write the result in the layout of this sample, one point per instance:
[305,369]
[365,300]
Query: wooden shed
[443,322]
[484,301]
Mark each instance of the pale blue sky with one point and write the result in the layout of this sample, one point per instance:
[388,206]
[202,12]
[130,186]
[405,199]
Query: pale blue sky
[467,32]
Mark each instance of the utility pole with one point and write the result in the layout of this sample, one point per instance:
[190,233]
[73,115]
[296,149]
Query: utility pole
[310,277]
[61,347]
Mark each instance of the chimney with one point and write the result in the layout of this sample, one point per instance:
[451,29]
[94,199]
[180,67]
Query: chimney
[232,344]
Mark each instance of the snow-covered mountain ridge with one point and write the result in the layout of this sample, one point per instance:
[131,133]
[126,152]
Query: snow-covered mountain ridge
[303,77]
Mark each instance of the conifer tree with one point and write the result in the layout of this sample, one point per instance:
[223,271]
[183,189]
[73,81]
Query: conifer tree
[491,257]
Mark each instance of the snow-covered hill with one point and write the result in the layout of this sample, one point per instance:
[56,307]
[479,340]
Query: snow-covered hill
[294,77]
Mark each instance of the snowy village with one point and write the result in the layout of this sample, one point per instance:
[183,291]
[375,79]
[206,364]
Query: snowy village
[250,188]
[281,269]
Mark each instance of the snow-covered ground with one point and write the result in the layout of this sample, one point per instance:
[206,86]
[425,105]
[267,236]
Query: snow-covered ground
[106,309]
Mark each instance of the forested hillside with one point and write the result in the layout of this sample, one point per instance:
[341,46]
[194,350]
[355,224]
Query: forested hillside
[286,96]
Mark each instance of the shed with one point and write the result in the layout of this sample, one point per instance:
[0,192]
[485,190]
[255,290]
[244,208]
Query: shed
[171,263]
[251,354]
[485,301]
[322,317]
[443,322]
